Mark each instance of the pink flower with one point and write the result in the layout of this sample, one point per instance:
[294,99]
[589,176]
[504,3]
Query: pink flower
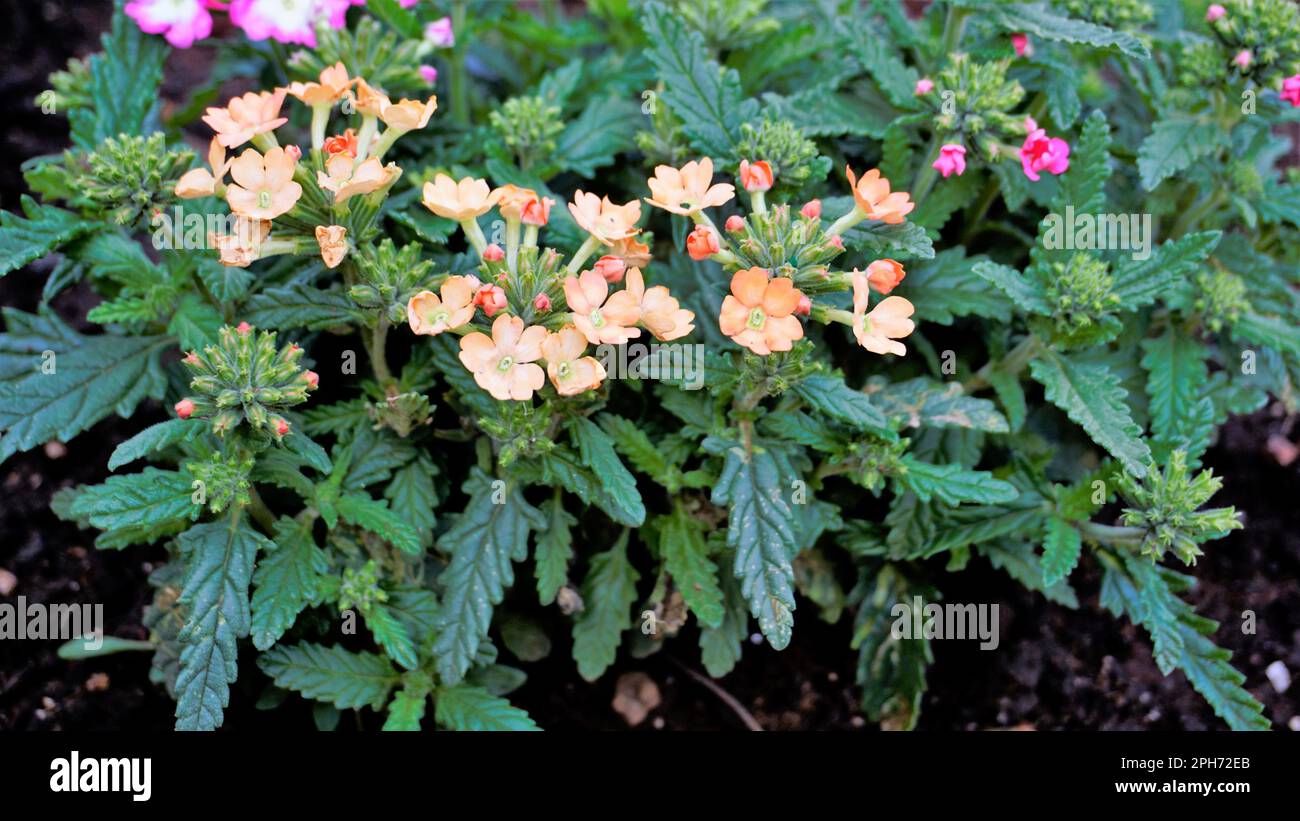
[281,426]
[924,86]
[493,253]
[1214,12]
[1291,90]
[440,34]
[243,327]
[180,21]
[611,268]
[491,298]
[407,4]
[1243,59]
[1021,44]
[1040,153]
[804,308]
[836,241]
[429,74]
[184,408]
[811,210]
[292,22]
[734,223]
[951,160]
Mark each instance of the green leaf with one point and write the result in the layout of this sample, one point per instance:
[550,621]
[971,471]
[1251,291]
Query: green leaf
[597,451]
[1146,593]
[1258,329]
[300,306]
[637,447]
[44,228]
[374,516]
[407,24]
[954,484]
[124,81]
[412,496]
[924,402]
[1176,376]
[720,646]
[156,438]
[391,634]
[760,529]
[1020,562]
[682,547]
[483,541]
[903,241]
[1093,399]
[474,709]
[78,382]
[1040,20]
[138,508]
[704,96]
[1140,282]
[219,559]
[302,446]
[1061,548]
[606,128]
[554,550]
[333,675]
[1022,290]
[830,396]
[608,593]
[948,287]
[881,60]
[227,283]
[1083,186]
[1174,144]
[820,111]
[406,710]
[195,323]
[891,669]
[286,579]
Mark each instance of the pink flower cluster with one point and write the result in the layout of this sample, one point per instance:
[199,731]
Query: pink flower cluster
[1041,153]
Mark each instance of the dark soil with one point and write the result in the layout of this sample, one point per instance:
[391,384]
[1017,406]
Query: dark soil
[1055,668]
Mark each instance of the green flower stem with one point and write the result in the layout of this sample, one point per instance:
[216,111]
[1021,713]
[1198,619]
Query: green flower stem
[376,348]
[1013,363]
[585,250]
[1111,534]
[320,115]
[512,245]
[459,100]
[953,26]
[474,233]
[261,513]
[385,141]
[846,222]
[1191,217]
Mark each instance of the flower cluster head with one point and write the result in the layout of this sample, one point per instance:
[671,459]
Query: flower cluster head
[269,180]
[1166,506]
[244,378]
[1254,40]
[183,22]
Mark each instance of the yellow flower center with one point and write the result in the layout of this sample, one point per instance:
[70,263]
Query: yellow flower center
[757,319]
[264,199]
[596,319]
[564,370]
[439,317]
[505,363]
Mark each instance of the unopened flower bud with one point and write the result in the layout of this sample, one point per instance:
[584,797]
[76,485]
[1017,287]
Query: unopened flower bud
[542,302]
[611,268]
[734,224]
[804,308]
[811,210]
[184,408]
[493,253]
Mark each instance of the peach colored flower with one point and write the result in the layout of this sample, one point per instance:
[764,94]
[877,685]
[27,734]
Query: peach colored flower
[503,364]
[702,242]
[245,117]
[688,189]
[603,219]
[408,115]
[611,268]
[873,198]
[201,182]
[601,321]
[812,209]
[661,314]
[633,253]
[344,177]
[334,83]
[570,371]
[884,275]
[876,330]
[759,313]
[368,100]
[240,249]
[430,315]
[345,143]
[264,187]
[734,223]
[756,176]
[458,201]
[333,243]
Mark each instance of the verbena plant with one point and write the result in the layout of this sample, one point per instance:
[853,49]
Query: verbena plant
[426,382]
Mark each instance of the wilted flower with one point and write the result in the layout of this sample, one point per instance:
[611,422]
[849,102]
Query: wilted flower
[429,315]
[503,364]
[333,243]
[633,253]
[241,248]
[759,312]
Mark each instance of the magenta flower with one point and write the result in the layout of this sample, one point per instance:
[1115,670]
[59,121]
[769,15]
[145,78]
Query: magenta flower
[1020,43]
[1214,12]
[951,160]
[180,21]
[429,74]
[287,21]
[1243,59]
[1291,90]
[1039,153]
[924,86]
[440,34]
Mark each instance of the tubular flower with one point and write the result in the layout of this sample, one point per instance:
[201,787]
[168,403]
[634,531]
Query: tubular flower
[345,143]
[333,243]
[344,177]
[492,299]
[334,84]
[734,223]
[604,220]
[601,321]
[200,182]
[264,186]
[873,197]
[702,243]
[494,253]
[571,372]
[951,160]
[812,209]
[240,249]
[430,315]
[1020,43]
[1039,153]
[884,275]
[878,329]
[689,189]
[523,204]
[409,115]
[369,100]
[661,314]
[759,313]
[245,117]
[459,201]
[503,364]
[180,21]
[756,176]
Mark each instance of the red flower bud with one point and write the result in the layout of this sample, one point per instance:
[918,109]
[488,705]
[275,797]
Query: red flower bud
[493,253]
[811,210]
[542,303]
[611,268]
[313,378]
[735,223]
[184,408]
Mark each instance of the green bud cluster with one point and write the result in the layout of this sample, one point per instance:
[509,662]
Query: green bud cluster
[401,412]
[788,247]
[528,126]
[389,277]
[225,478]
[244,378]
[1245,179]
[1201,64]
[981,101]
[727,23]
[1122,14]
[1221,298]
[520,430]
[360,588]
[1081,292]
[875,460]
[540,271]
[794,158]
[1268,29]
[774,374]
[72,87]
[127,176]
[1165,504]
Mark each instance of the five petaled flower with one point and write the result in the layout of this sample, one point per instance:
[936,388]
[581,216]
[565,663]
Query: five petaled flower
[504,363]
[759,312]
